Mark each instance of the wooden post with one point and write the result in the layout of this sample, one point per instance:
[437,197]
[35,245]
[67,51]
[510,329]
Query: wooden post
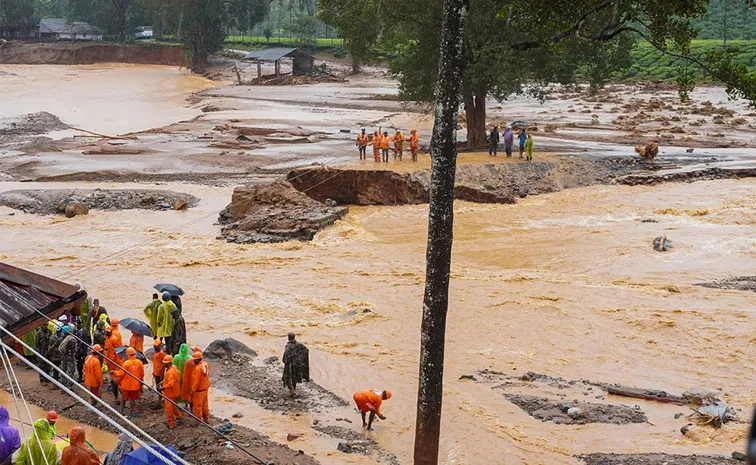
[259,69]
[238,74]
[278,68]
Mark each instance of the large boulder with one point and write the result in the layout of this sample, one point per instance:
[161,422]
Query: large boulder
[222,348]
[76,209]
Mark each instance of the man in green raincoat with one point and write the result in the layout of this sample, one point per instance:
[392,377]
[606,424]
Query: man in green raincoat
[30,339]
[165,319]
[151,312]
[180,360]
[31,453]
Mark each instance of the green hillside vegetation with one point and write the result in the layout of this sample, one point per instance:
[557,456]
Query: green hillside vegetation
[651,64]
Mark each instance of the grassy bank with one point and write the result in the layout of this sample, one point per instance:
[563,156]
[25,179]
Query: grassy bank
[651,64]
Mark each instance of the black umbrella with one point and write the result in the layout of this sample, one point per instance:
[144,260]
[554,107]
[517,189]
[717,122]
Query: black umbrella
[172,289]
[136,326]
[121,351]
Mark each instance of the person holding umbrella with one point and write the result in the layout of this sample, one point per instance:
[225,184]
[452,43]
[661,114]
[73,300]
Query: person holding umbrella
[179,331]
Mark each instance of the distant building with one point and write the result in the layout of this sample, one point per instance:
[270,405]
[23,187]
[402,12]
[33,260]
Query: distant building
[302,62]
[60,29]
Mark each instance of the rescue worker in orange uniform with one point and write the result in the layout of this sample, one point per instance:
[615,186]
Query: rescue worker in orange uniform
[130,387]
[414,143]
[200,385]
[157,361]
[370,401]
[93,370]
[116,331]
[111,343]
[376,143]
[361,143]
[398,144]
[385,144]
[78,453]
[171,388]
[186,380]
[137,342]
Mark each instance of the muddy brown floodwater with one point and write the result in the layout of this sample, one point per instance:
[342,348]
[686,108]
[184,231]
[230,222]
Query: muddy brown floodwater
[565,284]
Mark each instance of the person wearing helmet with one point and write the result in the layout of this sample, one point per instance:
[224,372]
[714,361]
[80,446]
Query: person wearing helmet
[157,361]
[171,389]
[93,377]
[361,142]
[78,453]
[376,143]
[131,386]
[385,144]
[398,144]
[200,386]
[414,143]
[116,332]
[52,418]
[111,344]
[165,321]
[97,313]
[370,402]
[53,351]
[178,336]
[186,378]
[69,348]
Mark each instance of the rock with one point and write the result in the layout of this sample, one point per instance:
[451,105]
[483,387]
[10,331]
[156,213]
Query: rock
[649,220]
[180,204]
[467,377]
[699,394]
[481,195]
[63,204]
[739,456]
[679,415]
[575,413]
[237,415]
[662,244]
[344,447]
[292,436]
[76,209]
[221,348]
[685,429]
[271,361]
[185,443]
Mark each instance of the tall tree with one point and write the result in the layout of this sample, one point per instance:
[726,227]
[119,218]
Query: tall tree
[358,22]
[17,17]
[440,236]
[121,8]
[551,23]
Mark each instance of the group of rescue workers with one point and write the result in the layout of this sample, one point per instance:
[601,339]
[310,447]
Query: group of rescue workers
[382,142]
[88,348]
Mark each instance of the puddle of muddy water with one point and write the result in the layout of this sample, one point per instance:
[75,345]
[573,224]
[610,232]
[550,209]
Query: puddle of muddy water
[100,440]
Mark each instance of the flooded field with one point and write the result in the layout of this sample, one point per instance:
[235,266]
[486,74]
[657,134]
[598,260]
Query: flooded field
[577,265]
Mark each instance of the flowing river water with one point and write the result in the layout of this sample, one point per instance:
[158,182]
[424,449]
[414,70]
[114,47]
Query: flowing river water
[565,284]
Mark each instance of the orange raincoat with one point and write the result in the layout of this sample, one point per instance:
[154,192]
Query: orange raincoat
[369,401]
[93,372]
[137,342]
[200,385]
[172,390]
[78,453]
[135,367]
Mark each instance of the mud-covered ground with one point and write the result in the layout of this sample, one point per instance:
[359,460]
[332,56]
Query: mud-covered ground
[199,447]
[741,283]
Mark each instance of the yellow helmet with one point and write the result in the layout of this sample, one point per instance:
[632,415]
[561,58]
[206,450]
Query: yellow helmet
[104,368]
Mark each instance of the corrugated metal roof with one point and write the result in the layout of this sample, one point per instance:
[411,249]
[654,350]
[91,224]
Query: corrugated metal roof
[50,25]
[269,54]
[80,27]
[24,293]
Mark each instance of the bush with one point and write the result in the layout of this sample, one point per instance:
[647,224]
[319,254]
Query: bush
[339,52]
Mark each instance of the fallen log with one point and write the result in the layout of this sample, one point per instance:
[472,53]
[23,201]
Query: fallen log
[646,394]
[103,135]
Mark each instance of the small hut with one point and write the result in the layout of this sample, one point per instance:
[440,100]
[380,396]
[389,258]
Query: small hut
[302,62]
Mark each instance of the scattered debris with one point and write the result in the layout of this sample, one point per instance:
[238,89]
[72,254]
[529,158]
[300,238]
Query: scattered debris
[584,412]
[662,244]
[700,395]
[353,442]
[741,283]
[646,394]
[649,152]
[74,208]
[654,459]
[715,415]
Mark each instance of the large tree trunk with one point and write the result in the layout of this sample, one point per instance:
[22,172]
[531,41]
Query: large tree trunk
[475,114]
[440,224]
